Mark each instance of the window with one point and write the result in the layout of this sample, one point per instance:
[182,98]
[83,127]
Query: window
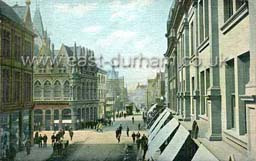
[192,38]
[57,89]
[6,86]
[66,89]
[206,18]
[230,94]
[16,87]
[6,44]
[239,3]
[201,21]
[28,49]
[228,9]
[47,89]
[193,88]
[27,84]
[17,48]
[37,89]
[202,93]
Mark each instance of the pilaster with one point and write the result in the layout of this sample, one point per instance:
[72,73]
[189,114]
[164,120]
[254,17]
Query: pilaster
[213,93]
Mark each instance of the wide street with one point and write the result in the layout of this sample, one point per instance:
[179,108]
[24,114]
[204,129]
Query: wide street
[95,146]
[89,145]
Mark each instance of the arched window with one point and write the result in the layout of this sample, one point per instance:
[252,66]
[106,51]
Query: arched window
[37,89]
[47,89]
[57,89]
[66,89]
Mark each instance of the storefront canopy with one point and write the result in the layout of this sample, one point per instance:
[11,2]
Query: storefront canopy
[159,125]
[204,154]
[157,120]
[161,137]
[152,108]
[174,145]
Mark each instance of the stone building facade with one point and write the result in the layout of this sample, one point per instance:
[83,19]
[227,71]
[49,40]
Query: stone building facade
[65,95]
[101,92]
[16,41]
[211,71]
[155,89]
[65,91]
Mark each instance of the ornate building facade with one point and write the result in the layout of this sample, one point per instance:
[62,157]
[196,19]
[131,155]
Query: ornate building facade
[64,95]
[65,91]
[211,71]
[16,41]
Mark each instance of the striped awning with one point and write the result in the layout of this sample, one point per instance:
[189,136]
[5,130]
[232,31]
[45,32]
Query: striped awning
[174,143]
[161,137]
[157,121]
[203,154]
[159,125]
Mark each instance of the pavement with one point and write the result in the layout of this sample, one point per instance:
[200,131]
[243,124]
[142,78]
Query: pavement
[91,145]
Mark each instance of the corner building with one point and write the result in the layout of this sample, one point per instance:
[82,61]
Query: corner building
[16,41]
[211,71]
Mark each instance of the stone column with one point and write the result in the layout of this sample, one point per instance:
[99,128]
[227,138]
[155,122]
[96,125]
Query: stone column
[43,120]
[60,119]
[213,93]
[52,119]
[31,125]
[187,97]
[74,118]
[251,86]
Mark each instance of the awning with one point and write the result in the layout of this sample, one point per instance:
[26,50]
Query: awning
[152,108]
[157,120]
[174,145]
[159,125]
[161,137]
[204,154]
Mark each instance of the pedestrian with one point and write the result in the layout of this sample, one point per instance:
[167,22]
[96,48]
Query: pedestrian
[71,133]
[139,126]
[118,134]
[40,140]
[132,120]
[45,138]
[144,145]
[120,129]
[138,140]
[127,131]
[138,135]
[53,138]
[133,137]
[28,145]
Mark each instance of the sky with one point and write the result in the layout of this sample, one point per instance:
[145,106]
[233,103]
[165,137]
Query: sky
[129,28]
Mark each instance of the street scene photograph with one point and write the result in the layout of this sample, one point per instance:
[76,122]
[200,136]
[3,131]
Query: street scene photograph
[127,80]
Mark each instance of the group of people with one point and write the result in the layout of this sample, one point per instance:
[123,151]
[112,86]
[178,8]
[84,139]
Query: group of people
[40,140]
[121,114]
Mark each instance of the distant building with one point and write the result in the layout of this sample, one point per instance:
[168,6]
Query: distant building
[101,92]
[155,89]
[139,96]
[117,94]
[17,41]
